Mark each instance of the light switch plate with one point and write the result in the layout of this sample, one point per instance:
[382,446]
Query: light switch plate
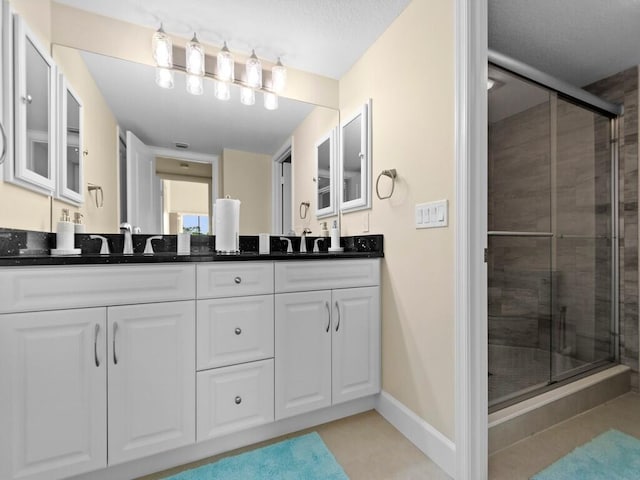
[432,214]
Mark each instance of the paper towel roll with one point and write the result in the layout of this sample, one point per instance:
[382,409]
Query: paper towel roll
[227,225]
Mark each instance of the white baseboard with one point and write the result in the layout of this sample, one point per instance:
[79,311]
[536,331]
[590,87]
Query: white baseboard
[192,453]
[430,441]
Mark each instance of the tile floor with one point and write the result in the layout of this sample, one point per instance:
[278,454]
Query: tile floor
[367,447]
[529,456]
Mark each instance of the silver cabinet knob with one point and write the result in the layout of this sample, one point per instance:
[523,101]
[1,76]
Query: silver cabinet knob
[238,331]
[238,400]
[237,280]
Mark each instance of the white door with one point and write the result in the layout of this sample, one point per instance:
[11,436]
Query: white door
[53,393]
[303,352]
[144,204]
[356,343]
[151,378]
[287,208]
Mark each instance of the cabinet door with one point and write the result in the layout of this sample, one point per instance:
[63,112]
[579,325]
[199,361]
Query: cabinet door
[53,393]
[303,352]
[356,343]
[151,378]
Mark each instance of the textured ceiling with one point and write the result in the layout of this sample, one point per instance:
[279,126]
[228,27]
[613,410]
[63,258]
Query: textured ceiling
[325,37]
[579,41]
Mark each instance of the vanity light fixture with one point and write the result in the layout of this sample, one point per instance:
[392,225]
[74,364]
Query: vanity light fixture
[278,77]
[195,57]
[247,96]
[226,65]
[254,71]
[270,101]
[224,75]
[162,48]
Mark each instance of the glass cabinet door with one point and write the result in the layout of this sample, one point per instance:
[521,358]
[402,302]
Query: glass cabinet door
[70,138]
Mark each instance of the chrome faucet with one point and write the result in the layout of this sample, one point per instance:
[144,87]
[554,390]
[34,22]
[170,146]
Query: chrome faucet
[289,247]
[303,240]
[148,248]
[125,229]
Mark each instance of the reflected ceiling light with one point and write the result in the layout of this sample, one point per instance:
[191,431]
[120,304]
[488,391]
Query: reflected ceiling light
[278,77]
[225,65]
[490,83]
[254,71]
[195,84]
[162,49]
[247,96]
[222,90]
[195,57]
[164,77]
[270,101]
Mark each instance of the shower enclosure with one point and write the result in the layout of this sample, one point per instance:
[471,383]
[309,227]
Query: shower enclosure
[552,256]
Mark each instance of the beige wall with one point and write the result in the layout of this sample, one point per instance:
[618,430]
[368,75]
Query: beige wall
[23,208]
[409,74]
[303,164]
[246,176]
[100,142]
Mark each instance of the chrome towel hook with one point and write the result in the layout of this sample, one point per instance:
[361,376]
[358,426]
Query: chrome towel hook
[392,174]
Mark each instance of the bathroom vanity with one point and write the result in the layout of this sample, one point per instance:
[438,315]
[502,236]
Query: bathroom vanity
[106,364]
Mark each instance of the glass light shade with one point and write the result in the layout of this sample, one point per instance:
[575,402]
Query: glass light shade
[164,77]
[195,57]
[195,84]
[225,64]
[278,77]
[254,71]
[270,101]
[162,49]
[222,90]
[247,96]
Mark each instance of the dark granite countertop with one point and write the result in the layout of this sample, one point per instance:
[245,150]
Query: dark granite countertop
[165,257]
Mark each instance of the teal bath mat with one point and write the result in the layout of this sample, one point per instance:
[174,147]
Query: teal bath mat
[610,456]
[300,458]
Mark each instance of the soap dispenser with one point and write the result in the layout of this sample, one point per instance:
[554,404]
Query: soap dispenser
[65,236]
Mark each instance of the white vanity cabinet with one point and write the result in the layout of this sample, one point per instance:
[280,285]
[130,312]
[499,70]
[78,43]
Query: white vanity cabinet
[53,394]
[71,378]
[327,341]
[235,347]
[151,378]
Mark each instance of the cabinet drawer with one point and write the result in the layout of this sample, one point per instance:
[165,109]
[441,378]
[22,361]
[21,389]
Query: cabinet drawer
[233,279]
[24,289]
[234,330]
[234,398]
[304,276]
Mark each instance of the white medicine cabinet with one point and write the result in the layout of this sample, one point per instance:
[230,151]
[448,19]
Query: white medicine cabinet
[43,116]
[326,174]
[355,161]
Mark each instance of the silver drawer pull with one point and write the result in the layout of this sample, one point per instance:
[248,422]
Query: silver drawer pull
[326,304]
[115,355]
[238,400]
[238,331]
[238,280]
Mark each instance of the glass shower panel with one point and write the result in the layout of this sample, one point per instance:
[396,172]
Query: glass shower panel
[582,249]
[520,287]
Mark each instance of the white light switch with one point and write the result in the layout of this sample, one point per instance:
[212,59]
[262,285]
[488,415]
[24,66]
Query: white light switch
[432,214]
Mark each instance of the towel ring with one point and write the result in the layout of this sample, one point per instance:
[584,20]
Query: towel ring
[392,174]
[303,210]
[4,144]
[99,194]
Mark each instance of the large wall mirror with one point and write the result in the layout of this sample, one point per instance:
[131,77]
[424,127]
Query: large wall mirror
[355,161]
[181,151]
